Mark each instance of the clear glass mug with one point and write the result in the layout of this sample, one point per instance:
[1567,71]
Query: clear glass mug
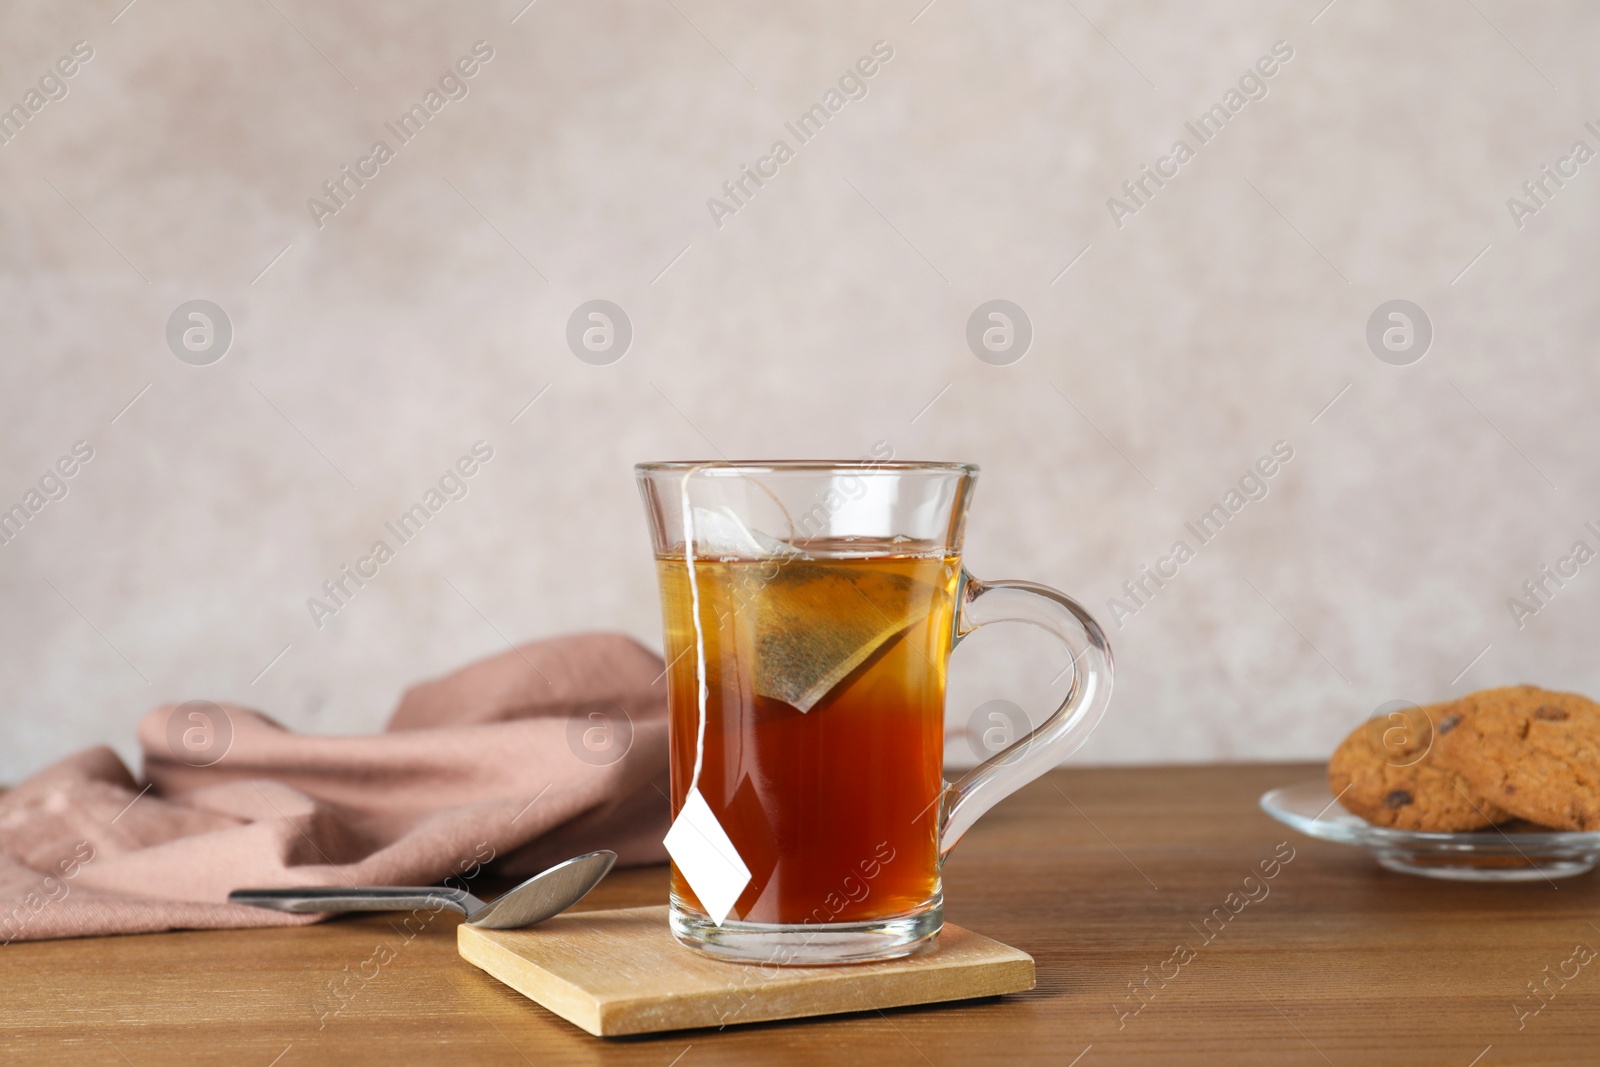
[810,609]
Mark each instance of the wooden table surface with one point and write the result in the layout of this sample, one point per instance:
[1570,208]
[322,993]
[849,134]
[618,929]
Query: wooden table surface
[1100,874]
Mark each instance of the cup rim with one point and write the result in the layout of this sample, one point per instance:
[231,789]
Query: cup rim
[776,466]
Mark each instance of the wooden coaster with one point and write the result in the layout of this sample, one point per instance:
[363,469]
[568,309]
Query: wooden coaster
[621,972]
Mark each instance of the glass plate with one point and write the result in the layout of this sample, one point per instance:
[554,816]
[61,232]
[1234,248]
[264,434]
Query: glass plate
[1516,852]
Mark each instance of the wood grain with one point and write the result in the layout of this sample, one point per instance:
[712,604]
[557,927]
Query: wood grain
[1097,874]
[620,972]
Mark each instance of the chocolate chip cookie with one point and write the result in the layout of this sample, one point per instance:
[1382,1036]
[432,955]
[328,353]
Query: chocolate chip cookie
[1388,773]
[1534,752]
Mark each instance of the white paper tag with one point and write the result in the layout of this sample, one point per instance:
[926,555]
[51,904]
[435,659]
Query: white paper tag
[706,857]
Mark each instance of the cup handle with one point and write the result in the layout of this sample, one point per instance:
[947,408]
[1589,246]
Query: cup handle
[1002,774]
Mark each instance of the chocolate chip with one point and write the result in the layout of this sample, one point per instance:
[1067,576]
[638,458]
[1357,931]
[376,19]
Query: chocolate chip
[1448,723]
[1397,798]
[1550,713]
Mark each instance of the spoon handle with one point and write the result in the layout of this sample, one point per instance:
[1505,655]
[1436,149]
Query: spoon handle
[357,898]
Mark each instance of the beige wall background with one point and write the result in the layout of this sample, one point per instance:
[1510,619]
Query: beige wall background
[1169,353]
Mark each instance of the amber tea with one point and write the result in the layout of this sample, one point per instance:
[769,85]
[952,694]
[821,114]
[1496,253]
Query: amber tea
[822,754]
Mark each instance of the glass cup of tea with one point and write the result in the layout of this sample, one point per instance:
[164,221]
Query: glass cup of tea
[810,609]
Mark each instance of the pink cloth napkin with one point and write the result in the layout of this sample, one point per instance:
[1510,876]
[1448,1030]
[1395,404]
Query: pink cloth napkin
[515,762]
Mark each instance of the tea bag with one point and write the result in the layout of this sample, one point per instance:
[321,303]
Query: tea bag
[816,626]
[720,534]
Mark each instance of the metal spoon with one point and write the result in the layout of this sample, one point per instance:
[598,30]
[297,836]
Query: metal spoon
[547,893]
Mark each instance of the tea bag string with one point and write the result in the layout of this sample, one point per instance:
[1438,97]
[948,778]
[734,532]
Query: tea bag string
[699,630]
